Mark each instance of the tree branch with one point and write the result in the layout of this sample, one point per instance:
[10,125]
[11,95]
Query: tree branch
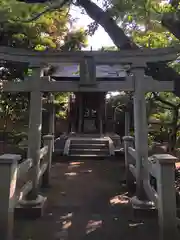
[170,19]
[106,21]
[178,126]
[174,3]
[172,23]
[164,107]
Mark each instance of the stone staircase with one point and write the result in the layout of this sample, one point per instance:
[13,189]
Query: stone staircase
[89,147]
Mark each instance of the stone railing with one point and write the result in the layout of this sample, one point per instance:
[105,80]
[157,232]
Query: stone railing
[163,196]
[16,183]
[111,146]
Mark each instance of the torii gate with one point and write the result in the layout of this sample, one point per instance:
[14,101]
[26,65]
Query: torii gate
[136,82]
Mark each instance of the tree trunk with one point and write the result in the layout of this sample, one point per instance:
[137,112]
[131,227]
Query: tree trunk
[174,129]
[106,21]
[172,23]
[5,125]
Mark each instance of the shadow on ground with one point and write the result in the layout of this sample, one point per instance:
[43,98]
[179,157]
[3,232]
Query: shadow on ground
[87,201]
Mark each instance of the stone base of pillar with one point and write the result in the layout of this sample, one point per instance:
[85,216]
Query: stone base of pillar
[31,208]
[143,208]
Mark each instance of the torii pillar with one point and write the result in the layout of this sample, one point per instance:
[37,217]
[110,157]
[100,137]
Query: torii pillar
[141,131]
[34,135]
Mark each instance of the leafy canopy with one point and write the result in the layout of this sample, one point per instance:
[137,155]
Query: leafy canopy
[54,29]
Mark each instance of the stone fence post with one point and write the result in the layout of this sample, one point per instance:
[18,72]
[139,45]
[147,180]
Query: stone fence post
[128,142]
[48,141]
[52,118]
[166,196]
[8,178]
[127,123]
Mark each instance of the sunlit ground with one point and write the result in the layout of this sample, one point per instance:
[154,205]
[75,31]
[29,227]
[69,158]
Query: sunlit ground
[71,174]
[135,224]
[67,216]
[75,165]
[66,223]
[93,226]
[120,199]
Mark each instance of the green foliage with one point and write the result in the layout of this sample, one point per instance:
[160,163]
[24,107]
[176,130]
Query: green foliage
[53,30]
[48,31]
[164,109]
[141,20]
[153,39]
[14,106]
[61,104]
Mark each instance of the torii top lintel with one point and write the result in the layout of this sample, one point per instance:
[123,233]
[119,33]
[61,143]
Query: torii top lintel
[90,63]
[99,57]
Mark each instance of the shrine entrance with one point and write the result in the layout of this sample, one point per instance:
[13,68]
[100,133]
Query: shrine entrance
[90,120]
[87,113]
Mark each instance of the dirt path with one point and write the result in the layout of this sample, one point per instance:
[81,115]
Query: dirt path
[87,201]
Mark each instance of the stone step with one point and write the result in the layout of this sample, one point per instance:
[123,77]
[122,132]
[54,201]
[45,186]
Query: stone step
[88,152]
[89,156]
[90,141]
[89,146]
